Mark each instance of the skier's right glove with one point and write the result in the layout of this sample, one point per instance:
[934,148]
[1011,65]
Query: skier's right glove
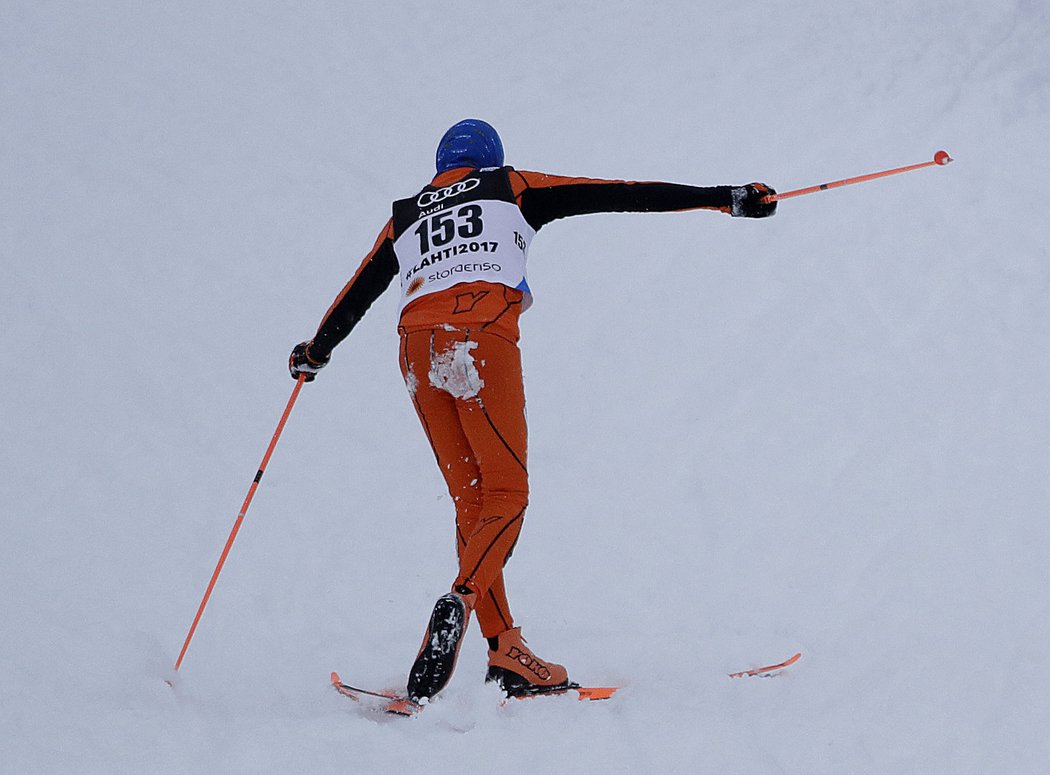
[306,363]
[750,201]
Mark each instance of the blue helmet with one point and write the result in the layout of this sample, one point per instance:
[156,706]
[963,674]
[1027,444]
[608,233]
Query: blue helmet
[470,143]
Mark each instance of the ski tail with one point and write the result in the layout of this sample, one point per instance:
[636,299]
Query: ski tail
[354,692]
[396,703]
[582,692]
[595,692]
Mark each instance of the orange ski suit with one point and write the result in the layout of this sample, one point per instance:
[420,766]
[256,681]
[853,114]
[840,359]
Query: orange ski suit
[462,367]
[464,377]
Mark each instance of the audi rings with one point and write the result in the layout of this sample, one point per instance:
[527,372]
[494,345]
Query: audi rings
[428,198]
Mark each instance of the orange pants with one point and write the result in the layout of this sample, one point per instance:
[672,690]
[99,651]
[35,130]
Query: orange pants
[467,389]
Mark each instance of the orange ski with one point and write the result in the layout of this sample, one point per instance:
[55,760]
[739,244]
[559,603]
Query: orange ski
[396,703]
[354,692]
[768,670]
[590,693]
[400,705]
[595,692]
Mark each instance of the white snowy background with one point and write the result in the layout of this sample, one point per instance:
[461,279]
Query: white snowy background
[825,432]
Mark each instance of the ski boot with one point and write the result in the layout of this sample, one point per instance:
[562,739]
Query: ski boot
[519,672]
[437,656]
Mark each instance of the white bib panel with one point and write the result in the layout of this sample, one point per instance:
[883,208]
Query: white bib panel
[484,239]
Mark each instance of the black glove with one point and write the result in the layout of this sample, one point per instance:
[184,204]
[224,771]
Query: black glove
[304,362]
[750,201]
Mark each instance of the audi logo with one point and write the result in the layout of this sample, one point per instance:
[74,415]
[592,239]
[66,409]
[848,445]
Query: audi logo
[428,198]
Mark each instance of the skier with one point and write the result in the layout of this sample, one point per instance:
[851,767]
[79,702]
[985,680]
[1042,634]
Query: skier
[459,246]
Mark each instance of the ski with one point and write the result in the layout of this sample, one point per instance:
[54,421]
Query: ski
[395,702]
[398,704]
[354,692]
[589,693]
[769,670]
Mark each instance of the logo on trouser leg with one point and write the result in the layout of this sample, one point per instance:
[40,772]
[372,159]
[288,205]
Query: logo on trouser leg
[465,302]
[529,662]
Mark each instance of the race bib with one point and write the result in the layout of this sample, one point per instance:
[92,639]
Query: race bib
[481,239]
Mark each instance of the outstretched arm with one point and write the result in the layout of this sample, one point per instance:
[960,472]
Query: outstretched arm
[544,198]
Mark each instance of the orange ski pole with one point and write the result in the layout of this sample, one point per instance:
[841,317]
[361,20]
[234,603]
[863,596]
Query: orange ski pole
[240,517]
[939,158]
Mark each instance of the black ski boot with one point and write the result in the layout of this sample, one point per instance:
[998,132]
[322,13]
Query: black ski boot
[437,656]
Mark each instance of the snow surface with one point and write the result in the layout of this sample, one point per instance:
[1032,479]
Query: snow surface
[826,432]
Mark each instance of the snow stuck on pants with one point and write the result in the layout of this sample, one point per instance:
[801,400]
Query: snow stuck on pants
[412,383]
[454,371]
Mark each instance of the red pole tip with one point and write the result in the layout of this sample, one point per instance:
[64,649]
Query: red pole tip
[942,157]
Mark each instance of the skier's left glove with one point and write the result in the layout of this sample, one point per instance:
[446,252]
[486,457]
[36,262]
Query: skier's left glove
[750,201]
[303,361]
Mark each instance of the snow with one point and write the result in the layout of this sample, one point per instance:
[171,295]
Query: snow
[454,371]
[824,432]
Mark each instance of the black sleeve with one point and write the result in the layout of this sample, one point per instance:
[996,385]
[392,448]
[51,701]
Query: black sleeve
[374,276]
[542,204]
